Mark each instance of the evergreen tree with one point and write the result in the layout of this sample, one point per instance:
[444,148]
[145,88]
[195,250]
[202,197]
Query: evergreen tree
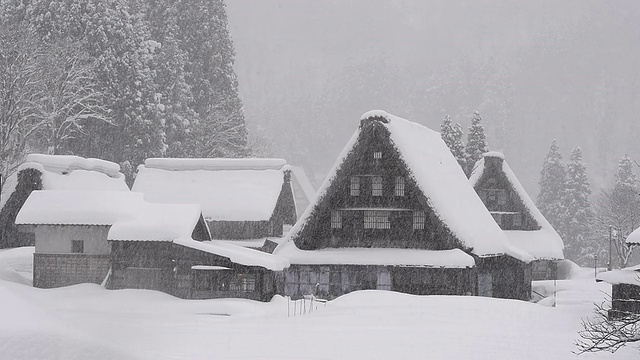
[118,43]
[618,208]
[552,188]
[204,37]
[452,136]
[476,142]
[578,215]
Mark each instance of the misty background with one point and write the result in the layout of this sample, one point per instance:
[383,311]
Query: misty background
[536,71]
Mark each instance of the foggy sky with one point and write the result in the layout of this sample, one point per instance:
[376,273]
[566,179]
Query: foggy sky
[536,71]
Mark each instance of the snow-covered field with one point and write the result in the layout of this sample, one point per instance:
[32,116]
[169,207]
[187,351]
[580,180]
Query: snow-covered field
[89,322]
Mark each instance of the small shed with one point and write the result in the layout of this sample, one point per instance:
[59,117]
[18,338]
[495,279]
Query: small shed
[52,172]
[625,290]
[241,199]
[70,230]
[517,215]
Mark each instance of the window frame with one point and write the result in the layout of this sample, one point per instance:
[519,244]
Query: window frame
[377,185]
[399,188]
[377,220]
[419,220]
[354,186]
[336,219]
[74,248]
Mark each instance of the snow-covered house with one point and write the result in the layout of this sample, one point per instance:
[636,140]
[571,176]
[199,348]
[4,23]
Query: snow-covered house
[396,212]
[118,239]
[241,199]
[517,215]
[52,172]
[625,290]
[633,239]
[71,230]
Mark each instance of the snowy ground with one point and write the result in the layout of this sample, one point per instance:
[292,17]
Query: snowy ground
[88,322]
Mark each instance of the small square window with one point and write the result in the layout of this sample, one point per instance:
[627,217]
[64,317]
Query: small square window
[419,219]
[377,155]
[77,246]
[336,219]
[376,186]
[355,186]
[399,191]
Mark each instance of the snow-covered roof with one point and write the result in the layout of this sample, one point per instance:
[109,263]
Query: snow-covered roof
[634,237]
[237,254]
[226,189]
[630,275]
[454,258]
[441,179]
[157,222]
[62,207]
[66,172]
[543,244]
[130,217]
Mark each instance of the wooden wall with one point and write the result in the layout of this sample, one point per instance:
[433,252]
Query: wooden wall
[56,270]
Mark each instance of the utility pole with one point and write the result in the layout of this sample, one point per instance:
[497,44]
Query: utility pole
[595,265]
[609,266]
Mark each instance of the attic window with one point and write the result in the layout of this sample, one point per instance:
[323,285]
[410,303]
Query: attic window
[336,219]
[376,185]
[419,219]
[377,154]
[77,246]
[355,186]
[399,191]
[376,219]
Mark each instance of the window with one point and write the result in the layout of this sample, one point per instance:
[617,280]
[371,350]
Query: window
[376,219]
[419,219]
[77,246]
[336,219]
[399,186]
[376,185]
[517,220]
[243,283]
[377,155]
[355,186]
[502,197]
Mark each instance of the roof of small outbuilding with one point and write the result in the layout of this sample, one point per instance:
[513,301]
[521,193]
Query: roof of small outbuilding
[226,189]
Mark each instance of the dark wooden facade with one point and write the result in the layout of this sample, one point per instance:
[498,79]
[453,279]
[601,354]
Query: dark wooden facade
[503,202]
[374,202]
[396,204]
[625,300]
[331,281]
[509,211]
[56,270]
[186,273]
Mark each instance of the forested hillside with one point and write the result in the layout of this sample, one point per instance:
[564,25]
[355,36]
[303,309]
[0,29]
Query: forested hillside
[121,80]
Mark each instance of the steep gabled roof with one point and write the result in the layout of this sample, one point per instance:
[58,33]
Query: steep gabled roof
[544,243]
[227,189]
[441,180]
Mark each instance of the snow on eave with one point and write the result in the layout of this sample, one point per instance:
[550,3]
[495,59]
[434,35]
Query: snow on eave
[629,276]
[634,237]
[237,254]
[454,258]
[212,164]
